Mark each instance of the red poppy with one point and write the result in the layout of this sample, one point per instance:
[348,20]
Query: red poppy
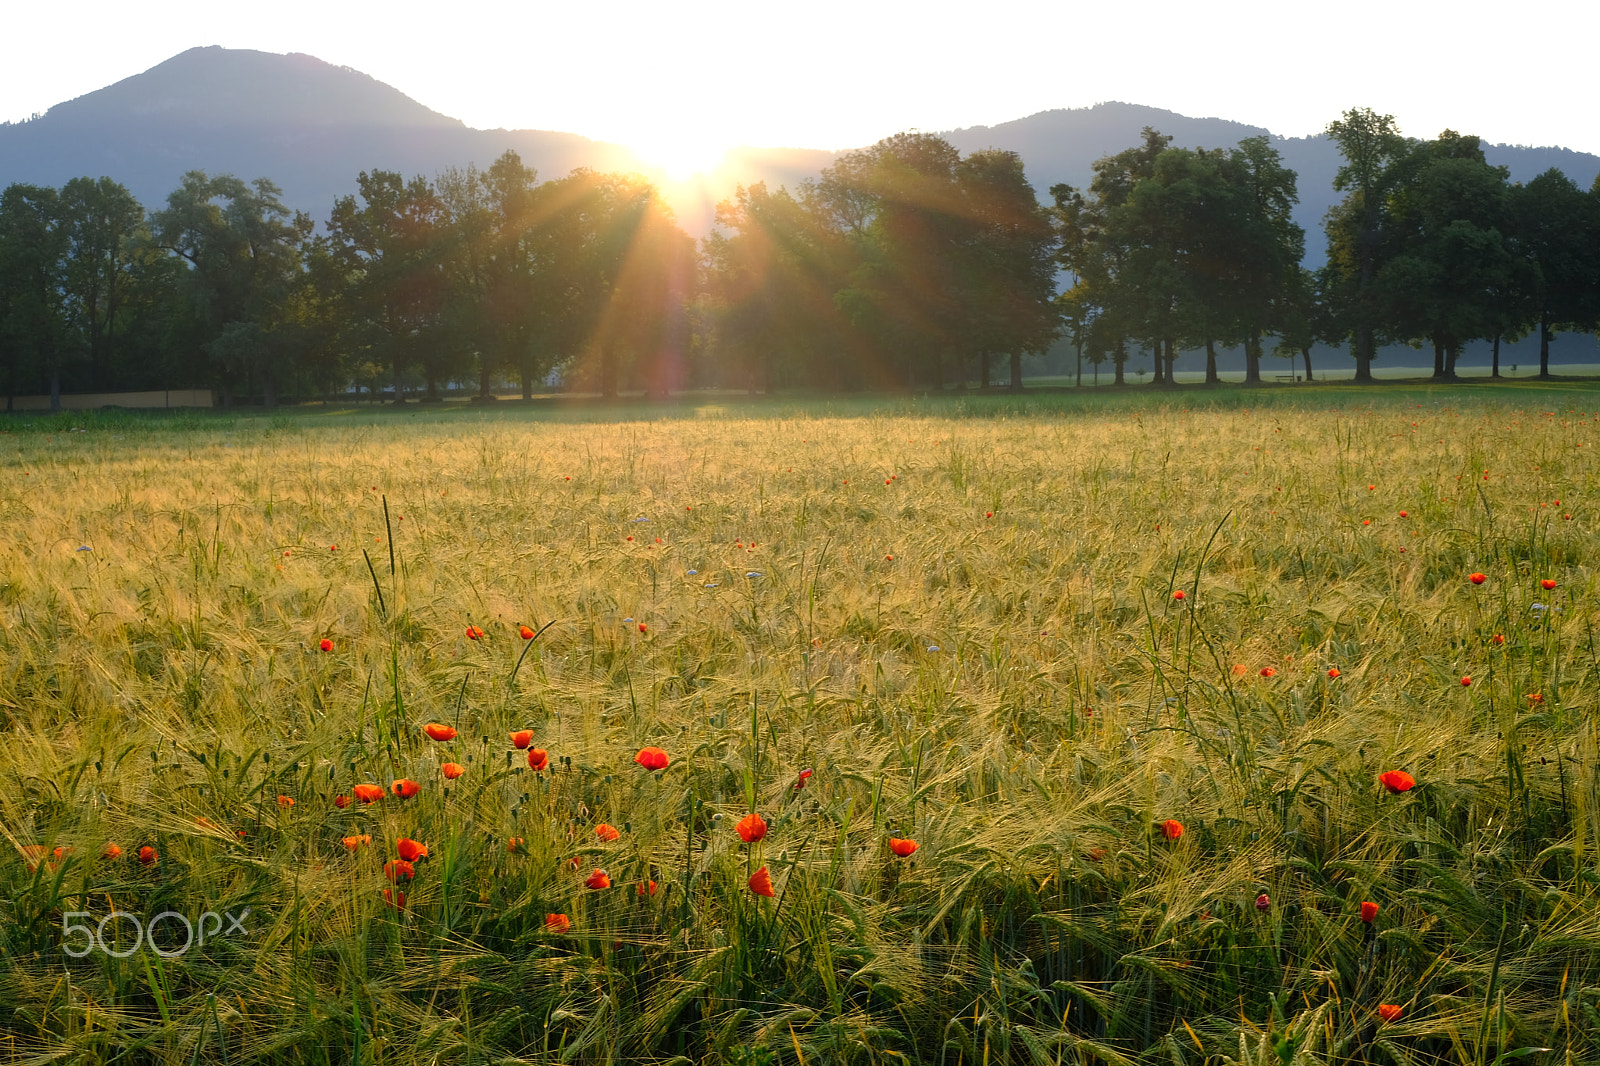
[1333,672]
[399,869]
[1547,584]
[147,855]
[514,843]
[521,738]
[761,883]
[1465,681]
[1403,514]
[110,851]
[397,900]
[1397,781]
[325,644]
[474,633]
[538,759]
[752,827]
[1178,594]
[642,627]
[1263,902]
[800,782]
[1369,912]
[1267,671]
[606,832]
[557,923]
[652,758]
[368,793]
[598,879]
[1498,638]
[902,846]
[527,634]
[647,888]
[352,843]
[1390,1012]
[1172,829]
[436,731]
[410,850]
[286,801]
[1477,579]
[452,770]
[405,788]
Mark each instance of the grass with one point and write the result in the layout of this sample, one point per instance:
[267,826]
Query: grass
[958,613]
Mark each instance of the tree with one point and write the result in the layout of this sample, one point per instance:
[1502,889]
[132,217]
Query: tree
[33,250]
[1556,231]
[242,249]
[390,250]
[104,227]
[1372,146]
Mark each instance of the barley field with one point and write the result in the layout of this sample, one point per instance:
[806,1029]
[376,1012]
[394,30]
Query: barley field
[1194,727]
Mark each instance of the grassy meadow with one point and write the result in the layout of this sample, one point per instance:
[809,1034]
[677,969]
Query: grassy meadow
[961,617]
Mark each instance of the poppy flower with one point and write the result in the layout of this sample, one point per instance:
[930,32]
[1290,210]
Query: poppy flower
[642,627]
[397,900]
[325,644]
[652,758]
[761,883]
[286,801]
[474,633]
[647,888]
[398,870]
[1397,781]
[902,846]
[514,843]
[405,788]
[352,843]
[1178,594]
[751,828]
[521,738]
[1267,671]
[341,801]
[598,879]
[557,923]
[1263,902]
[538,759]
[606,832]
[1403,514]
[436,731]
[452,770]
[800,782]
[1333,673]
[527,634]
[1172,829]
[1369,912]
[1547,584]
[1240,669]
[1477,579]
[110,851]
[410,850]
[1498,638]
[1390,1012]
[368,793]
[1465,681]
[147,855]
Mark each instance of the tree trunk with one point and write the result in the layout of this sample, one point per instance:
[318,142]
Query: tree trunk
[1544,344]
[1212,377]
[1172,357]
[1438,359]
[1494,367]
[1016,371]
[1080,362]
[1305,353]
[1120,358]
[1452,352]
[1252,358]
[1363,353]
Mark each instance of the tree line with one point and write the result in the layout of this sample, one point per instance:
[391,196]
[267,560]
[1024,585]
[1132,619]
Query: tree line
[902,265]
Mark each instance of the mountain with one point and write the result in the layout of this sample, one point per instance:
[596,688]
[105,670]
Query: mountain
[312,127]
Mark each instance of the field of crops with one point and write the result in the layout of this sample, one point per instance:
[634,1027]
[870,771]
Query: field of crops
[1233,728]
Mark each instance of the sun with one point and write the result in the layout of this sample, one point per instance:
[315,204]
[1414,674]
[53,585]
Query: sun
[680,156]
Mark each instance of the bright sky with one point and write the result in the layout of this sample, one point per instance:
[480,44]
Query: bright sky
[679,82]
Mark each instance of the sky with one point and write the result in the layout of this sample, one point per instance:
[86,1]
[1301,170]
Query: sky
[680,82]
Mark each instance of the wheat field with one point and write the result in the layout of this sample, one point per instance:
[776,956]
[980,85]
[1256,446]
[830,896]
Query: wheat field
[1145,823]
